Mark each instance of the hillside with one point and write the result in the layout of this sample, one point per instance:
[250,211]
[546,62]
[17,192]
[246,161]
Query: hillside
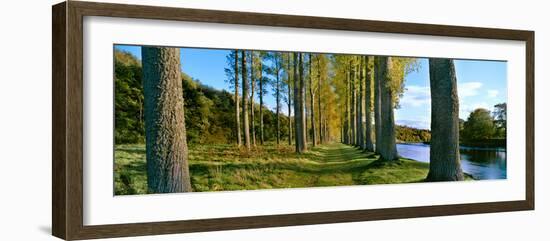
[209,113]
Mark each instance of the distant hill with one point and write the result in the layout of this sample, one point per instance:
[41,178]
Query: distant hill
[411,134]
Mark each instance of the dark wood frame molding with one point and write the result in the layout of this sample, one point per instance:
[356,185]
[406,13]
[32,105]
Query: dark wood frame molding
[67,121]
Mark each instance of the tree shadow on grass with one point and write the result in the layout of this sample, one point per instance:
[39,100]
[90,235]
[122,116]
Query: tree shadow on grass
[132,150]
[223,168]
[392,172]
[336,153]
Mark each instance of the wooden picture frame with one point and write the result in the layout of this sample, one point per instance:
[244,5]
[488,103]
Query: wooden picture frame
[67,119]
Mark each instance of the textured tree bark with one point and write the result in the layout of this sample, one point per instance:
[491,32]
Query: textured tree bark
[360,106]
[320,90]
[303,117]
[444,145]
[245,101]
[352,105]
[347,114]
[166,144]
[253,83]
[289,119]
[342,129]
[312,106]
[289,77]
[306,111]
[327,130]
[261,105]
[388,150]
[278,100]
[377,119]
[297,115]
[237,102]
[368,123]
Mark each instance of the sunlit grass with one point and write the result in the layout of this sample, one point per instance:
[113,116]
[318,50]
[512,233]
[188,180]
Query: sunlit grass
[226,167]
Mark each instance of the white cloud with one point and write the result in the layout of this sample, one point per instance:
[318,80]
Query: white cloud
[419,96]
[416,96]
[492,93]
[468,89]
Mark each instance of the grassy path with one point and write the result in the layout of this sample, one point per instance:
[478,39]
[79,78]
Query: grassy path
[224,167]
[338,152]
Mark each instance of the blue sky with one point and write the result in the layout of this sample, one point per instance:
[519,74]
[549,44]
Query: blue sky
[481,84]
[206,65]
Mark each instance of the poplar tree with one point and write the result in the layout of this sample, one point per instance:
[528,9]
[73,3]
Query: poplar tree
[245,101]
[165,134]
[444,144]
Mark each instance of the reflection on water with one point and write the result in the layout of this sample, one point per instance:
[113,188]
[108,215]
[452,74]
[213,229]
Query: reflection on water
[481,163]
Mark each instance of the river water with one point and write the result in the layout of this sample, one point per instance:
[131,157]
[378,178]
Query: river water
[481,163]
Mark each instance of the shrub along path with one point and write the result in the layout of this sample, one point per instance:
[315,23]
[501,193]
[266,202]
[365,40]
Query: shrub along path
[223,167]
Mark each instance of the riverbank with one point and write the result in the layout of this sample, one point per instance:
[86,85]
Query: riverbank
[481,163]
[489,143]
[225,168]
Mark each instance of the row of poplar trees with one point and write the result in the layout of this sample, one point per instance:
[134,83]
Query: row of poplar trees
[371,84]
[361,85]
[295,79]
[374,84]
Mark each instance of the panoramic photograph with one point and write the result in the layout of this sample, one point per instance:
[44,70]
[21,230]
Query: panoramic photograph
[200,120]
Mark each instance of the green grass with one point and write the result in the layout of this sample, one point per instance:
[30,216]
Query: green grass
[225,168]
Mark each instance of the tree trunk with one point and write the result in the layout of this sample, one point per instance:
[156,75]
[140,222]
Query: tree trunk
[289,120]
[306,114]
[342,129]
[278,100]
[237,103]
[319,88]
[347,114]
[261,105]
[360,105]
[444,145]
[327,130]
[312,106]
[388,150]
[377,119]
[289,101]
[356,102]
[297,115]
[245,101]
[166,141]
[302,103]
[352,105]
[253,87]
[368,123]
